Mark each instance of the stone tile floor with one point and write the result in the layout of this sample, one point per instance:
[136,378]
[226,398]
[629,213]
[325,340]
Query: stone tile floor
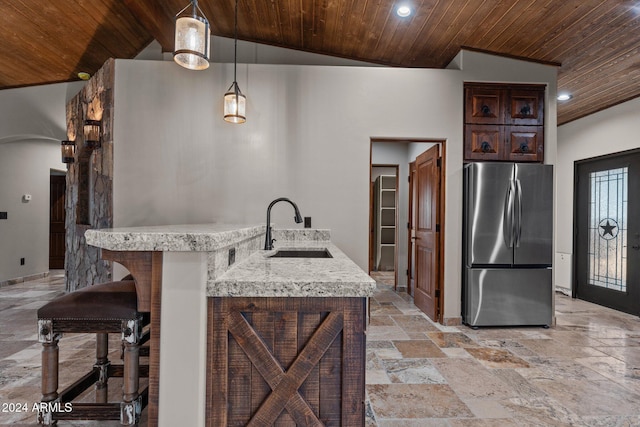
[20,353]
[583,372]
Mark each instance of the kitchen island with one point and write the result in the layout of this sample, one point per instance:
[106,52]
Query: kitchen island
[246,336]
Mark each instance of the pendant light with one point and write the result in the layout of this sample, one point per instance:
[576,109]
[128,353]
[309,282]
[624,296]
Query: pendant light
[192,48]
[235,103]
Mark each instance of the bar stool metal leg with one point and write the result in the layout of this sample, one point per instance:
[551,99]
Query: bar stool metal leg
[131,406]
[50,354]
[102,364]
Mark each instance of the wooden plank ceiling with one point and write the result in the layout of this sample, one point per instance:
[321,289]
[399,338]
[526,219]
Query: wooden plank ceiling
[596,43]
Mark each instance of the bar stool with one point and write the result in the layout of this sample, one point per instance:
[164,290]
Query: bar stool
[100,309]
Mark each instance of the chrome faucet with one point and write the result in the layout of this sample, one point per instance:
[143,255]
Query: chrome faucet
[268,241]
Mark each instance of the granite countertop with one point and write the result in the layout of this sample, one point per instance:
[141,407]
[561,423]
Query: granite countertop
[196,237]
[263,276]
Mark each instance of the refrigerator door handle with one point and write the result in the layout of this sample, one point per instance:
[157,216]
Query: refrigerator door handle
[518,216]
[507,224]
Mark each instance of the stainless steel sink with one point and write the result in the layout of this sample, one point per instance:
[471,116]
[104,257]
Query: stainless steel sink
[302,253]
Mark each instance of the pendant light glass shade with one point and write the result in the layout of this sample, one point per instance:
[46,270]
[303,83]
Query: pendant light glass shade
[235,104]
[68,151]
[192,36]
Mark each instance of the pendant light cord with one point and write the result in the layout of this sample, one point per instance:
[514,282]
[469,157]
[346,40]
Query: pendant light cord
[235,49]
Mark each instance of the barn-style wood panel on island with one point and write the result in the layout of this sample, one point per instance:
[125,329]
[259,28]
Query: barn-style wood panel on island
[285,328]
[286,361]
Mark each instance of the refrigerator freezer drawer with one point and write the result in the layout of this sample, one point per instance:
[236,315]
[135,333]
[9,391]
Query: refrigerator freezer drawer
[507,297]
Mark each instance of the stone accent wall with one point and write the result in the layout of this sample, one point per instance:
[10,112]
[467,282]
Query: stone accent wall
[89,197]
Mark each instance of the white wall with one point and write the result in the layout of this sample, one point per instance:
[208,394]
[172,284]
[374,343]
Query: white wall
[307,137]
[32,123]
[25,232]
[610,131]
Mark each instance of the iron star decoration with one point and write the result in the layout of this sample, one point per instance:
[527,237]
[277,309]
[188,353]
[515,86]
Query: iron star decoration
[608,229]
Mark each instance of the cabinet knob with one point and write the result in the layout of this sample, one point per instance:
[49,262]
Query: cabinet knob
[485,109]
[525,110]
[485,147]
[524,147]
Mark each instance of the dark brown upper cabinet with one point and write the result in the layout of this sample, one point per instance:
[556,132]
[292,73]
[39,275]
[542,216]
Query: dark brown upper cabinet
[484,106]
[504,122]
[526,107]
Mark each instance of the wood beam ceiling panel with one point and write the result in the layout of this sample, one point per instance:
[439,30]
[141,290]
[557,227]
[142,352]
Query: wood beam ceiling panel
[467,33]
[570,30]
[375,15]
[34,56]
[294,27]
[596,41]
[463,20]
[156,18]
[504,18]
[312,22]
[427,49]
[526,27]
[598,97]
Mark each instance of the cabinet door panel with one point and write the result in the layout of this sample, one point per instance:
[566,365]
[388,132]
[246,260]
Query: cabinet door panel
[526,107]
[484,105]
[484,142]
[525,143]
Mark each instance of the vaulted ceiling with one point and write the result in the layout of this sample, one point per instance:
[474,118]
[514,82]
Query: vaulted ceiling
[595,43]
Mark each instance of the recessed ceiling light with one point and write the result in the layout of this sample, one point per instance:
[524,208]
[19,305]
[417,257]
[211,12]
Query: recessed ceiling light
[564,97]
[84,76]
[403,11]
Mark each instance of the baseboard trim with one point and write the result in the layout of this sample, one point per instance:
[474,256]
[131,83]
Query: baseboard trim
[452,321]
[23,279]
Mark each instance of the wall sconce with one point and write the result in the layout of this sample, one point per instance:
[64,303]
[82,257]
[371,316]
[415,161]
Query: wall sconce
[68,151]
[92,133]
[191,49]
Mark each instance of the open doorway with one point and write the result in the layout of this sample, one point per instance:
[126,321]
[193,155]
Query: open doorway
[57,237]
[418,242]
[383,220]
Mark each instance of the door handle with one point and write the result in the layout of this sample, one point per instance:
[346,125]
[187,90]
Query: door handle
[508,223]
[518,214]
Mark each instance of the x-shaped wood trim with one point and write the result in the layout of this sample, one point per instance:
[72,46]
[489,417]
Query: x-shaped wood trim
[285,385]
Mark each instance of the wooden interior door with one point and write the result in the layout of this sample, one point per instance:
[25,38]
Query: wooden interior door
[57,190]
[411,249]
[427,185]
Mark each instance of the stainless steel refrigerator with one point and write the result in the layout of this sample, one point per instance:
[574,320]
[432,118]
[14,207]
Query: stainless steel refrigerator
[508,233]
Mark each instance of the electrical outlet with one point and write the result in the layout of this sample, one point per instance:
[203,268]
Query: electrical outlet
[307,222]
[21,261]
[232,256]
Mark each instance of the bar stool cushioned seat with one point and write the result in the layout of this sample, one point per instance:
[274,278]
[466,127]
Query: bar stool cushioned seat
[100,309]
